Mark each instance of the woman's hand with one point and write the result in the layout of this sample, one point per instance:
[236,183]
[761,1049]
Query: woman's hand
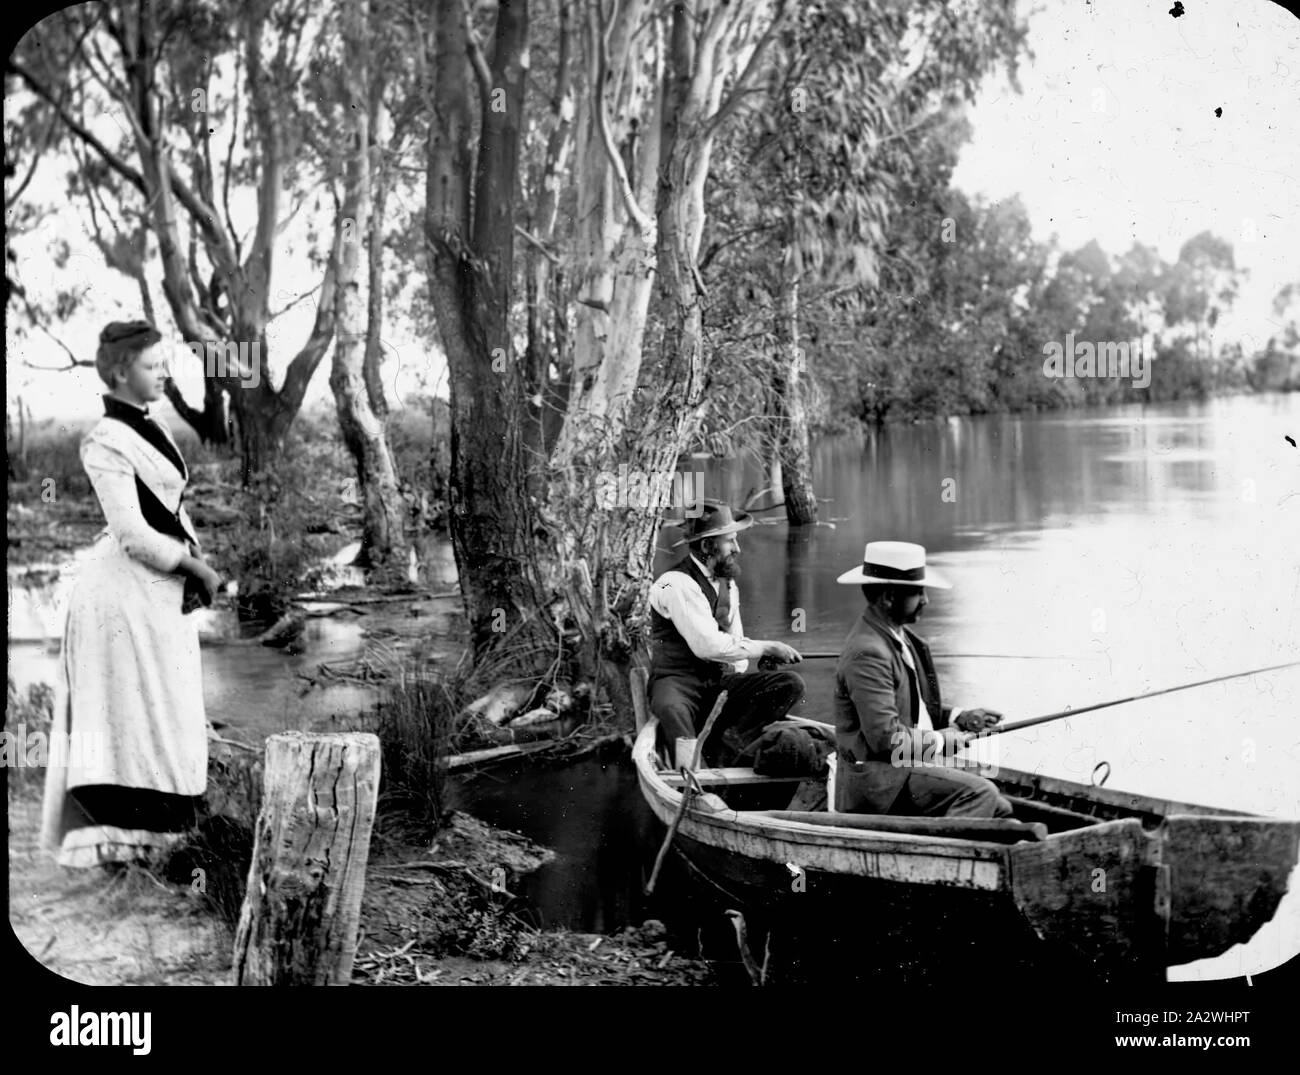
[209,580]
[203,573]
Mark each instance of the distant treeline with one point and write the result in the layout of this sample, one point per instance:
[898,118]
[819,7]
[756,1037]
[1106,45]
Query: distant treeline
[969,335]
[954,315]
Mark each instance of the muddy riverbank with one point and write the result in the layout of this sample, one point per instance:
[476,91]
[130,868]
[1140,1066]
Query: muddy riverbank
[439,913]
[479,904]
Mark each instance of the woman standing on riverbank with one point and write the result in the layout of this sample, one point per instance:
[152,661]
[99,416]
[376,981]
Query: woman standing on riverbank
[128,748]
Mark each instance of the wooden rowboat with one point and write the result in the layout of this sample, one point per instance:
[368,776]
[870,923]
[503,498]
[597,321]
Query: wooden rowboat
[1128,884]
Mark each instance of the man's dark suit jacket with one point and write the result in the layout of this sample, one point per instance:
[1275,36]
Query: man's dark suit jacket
[876,710]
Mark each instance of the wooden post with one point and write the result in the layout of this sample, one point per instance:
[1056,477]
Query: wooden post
[298,925]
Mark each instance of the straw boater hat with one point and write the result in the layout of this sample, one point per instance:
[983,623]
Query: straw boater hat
[714,521]
[898,562]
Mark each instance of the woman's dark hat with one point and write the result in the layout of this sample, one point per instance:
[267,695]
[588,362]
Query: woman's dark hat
[715,520]
[119,331]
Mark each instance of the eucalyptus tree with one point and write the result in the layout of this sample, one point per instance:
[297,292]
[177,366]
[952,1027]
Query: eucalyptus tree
[171,74]
[852,94]
[1200,286]
[354,374]
[539,553]
[221,106]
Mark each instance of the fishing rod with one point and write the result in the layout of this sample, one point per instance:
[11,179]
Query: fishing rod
[820,656]
[1017,725]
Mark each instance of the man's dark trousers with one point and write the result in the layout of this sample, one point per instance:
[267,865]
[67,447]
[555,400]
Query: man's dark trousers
[754,700]
[926,791]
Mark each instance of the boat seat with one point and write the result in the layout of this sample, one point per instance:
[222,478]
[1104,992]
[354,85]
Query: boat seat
[731,776]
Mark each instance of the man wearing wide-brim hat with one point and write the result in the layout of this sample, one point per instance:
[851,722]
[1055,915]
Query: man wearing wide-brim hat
[897,742]
[698,644]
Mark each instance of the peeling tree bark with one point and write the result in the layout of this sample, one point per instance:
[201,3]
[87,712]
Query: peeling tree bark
[383,538]
[640,185]
[470,205]
[618,161]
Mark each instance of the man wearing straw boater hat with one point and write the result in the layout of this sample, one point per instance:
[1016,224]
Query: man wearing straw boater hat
[893,731]
[698,646]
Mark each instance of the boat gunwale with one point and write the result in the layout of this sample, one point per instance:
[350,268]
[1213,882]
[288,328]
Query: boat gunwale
[781,830]
[785,831]
[1042,783]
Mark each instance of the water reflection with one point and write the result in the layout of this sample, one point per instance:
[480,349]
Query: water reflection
[1140,548]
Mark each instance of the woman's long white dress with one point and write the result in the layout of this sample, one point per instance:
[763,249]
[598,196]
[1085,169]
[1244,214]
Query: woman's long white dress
[129,699]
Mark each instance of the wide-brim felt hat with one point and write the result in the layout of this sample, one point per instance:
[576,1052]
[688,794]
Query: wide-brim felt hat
[898,563]
[715,520]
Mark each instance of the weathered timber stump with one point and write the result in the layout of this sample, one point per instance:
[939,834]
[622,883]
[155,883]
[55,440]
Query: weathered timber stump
[298,924]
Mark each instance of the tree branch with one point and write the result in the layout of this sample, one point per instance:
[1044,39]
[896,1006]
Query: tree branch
[109,157]
[557,143]
[301,298]
[38,319]
[718,246]
[230,157]
[217,244]
[476,58]
[257,265]
[532,239]
[639,218]
[43,143]
[732,102]
[304,363]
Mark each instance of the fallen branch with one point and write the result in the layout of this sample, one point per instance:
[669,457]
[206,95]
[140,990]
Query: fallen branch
[480,757]
[233,743]
[381,599]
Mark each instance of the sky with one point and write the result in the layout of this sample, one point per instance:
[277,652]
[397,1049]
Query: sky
[1114,137]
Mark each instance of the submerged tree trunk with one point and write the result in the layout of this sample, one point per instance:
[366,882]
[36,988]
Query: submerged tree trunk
[383,538]
[789,411]
[696,51]
[644,133]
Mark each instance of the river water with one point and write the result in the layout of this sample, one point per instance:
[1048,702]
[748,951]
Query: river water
[1128,550]
[1124,550]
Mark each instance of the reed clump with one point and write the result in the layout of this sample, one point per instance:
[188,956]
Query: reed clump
[215,855]
[416,718]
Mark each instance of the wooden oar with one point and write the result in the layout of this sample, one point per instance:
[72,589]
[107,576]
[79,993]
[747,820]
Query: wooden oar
[1005,830]
[688,777]
[1031,721]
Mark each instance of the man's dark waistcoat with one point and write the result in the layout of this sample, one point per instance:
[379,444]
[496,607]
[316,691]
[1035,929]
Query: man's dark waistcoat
[669,653]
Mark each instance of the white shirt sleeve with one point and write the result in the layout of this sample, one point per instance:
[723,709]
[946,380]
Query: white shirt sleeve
[113,479]
[676,597]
